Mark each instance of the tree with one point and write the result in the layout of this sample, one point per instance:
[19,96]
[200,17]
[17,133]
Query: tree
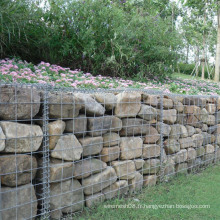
[217,59]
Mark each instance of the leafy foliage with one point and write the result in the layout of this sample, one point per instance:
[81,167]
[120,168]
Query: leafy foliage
[115,38]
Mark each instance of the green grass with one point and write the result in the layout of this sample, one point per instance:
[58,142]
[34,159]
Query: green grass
[198,189]
[184,76]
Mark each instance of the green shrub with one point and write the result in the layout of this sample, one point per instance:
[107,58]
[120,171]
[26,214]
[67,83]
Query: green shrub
[102,36]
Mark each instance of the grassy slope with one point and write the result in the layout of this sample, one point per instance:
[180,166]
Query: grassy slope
[202,188]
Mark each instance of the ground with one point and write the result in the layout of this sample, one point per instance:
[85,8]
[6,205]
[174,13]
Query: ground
[181,192]
[13,70]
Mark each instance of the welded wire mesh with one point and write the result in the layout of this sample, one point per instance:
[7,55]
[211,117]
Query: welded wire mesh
[62,150]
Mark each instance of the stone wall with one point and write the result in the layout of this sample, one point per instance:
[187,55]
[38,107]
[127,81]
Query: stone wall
[96,146]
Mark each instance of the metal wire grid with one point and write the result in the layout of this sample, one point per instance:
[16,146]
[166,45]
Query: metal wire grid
[89,155]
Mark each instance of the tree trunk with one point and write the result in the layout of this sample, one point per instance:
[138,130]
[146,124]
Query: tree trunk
[217,57]
[187,54]
[204,50]
[197,61]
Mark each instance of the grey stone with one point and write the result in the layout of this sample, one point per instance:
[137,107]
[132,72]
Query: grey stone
[151,150]
[108,100]
[124,169]
[17,169]
[63,106]
[175,131]
[181,156]
[186,142]
[99,125]
[134,126]
[111,139]
[128,104]
[21,138]
[147,112]
[87,167]
[190,130]
[150,99]
[163,128]
[169,116]
[67,148]
[99,181]
[110,153]
[18,203]
[90,105]
[209,149]
[77,126]
[18,103]
[171,146]
[192,154]
[139,163]
[151,166]
[55,130]
[131,147]
[197,140]
[67,196]
[91,145]
[200,151]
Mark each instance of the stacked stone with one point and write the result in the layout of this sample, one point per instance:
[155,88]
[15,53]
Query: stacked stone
[101,145]
[19,142]
[193,138]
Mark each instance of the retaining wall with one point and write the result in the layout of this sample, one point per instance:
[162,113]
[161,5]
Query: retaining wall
[62,150]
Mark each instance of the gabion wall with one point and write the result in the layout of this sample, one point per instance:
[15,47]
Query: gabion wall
[62,150]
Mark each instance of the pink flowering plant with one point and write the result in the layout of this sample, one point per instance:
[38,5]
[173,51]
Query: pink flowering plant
[12,70]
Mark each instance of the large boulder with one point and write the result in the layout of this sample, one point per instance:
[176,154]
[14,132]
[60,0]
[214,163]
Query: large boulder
[171,146]
[99,125]
[17,169]
[67,148]
[152,136]
[169,116]
[21,138]
[111,139]
[152,100]
[18,102]
[151,150]
[163,128]
[63,105]
[151,166]
[87,167]
[90,105]
[124,169]
[108,100]
[128,104]
[110,153]
[66,196]
[134,126]
[99,181]
[131,147]
[91,145]
[59,170]
[77,126]
[18,203]
[147,112]
[56,129]
[186,142]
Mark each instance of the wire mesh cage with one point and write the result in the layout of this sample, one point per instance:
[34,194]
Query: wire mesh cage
[63,149]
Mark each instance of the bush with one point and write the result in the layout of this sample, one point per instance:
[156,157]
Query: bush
[114,38]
